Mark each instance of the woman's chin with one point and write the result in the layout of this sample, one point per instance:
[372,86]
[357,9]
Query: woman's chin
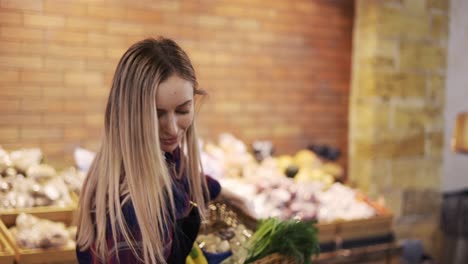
[169,148]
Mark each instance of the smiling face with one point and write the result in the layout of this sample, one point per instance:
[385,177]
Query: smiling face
[174,100]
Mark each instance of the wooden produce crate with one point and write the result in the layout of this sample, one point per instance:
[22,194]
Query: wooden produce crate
[75,199]
[275,258]
[327,232]
[54,213]
[340,230]
[64,254]
[389,253]
[7,255]
[379,254]
[379,225]
[364,228]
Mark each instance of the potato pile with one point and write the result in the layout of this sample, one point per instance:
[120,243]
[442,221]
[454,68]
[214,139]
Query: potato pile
[33,232]
[26,182]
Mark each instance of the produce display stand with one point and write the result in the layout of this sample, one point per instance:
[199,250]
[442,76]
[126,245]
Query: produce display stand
[379,225]
[54,213]
[275,258]
[365,232]
[327,231]
[376,254]
[352,233]
[327,236]
[64,254]
[342,230]
[7,255]
[345,234]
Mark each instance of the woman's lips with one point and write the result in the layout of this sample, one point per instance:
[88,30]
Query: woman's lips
[170,141]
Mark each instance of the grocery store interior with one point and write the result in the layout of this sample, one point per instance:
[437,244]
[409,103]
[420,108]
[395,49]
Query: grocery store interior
[350,116]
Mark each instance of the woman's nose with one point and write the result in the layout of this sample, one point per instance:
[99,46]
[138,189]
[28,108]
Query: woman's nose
[171,125]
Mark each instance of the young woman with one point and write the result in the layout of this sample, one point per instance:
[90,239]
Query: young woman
[145,193]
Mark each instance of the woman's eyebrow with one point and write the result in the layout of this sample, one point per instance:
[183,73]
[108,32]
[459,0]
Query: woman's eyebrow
[185,103]
[179,106]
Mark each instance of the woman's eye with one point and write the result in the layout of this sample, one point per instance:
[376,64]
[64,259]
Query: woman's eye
[160,114]
[183,112]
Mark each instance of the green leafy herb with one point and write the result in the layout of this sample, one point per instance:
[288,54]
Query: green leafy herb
[289,238]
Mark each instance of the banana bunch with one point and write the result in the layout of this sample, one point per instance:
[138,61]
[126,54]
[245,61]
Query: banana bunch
[196,256]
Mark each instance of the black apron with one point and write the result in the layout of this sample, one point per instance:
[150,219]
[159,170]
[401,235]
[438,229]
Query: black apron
[185,232]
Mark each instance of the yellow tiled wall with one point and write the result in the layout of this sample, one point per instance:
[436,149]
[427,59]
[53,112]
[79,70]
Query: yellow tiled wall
[396,109]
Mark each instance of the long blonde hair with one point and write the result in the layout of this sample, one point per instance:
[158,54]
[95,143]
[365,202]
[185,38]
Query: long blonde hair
[130,163]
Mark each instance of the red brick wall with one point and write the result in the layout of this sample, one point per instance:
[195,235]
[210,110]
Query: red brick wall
[277,70]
